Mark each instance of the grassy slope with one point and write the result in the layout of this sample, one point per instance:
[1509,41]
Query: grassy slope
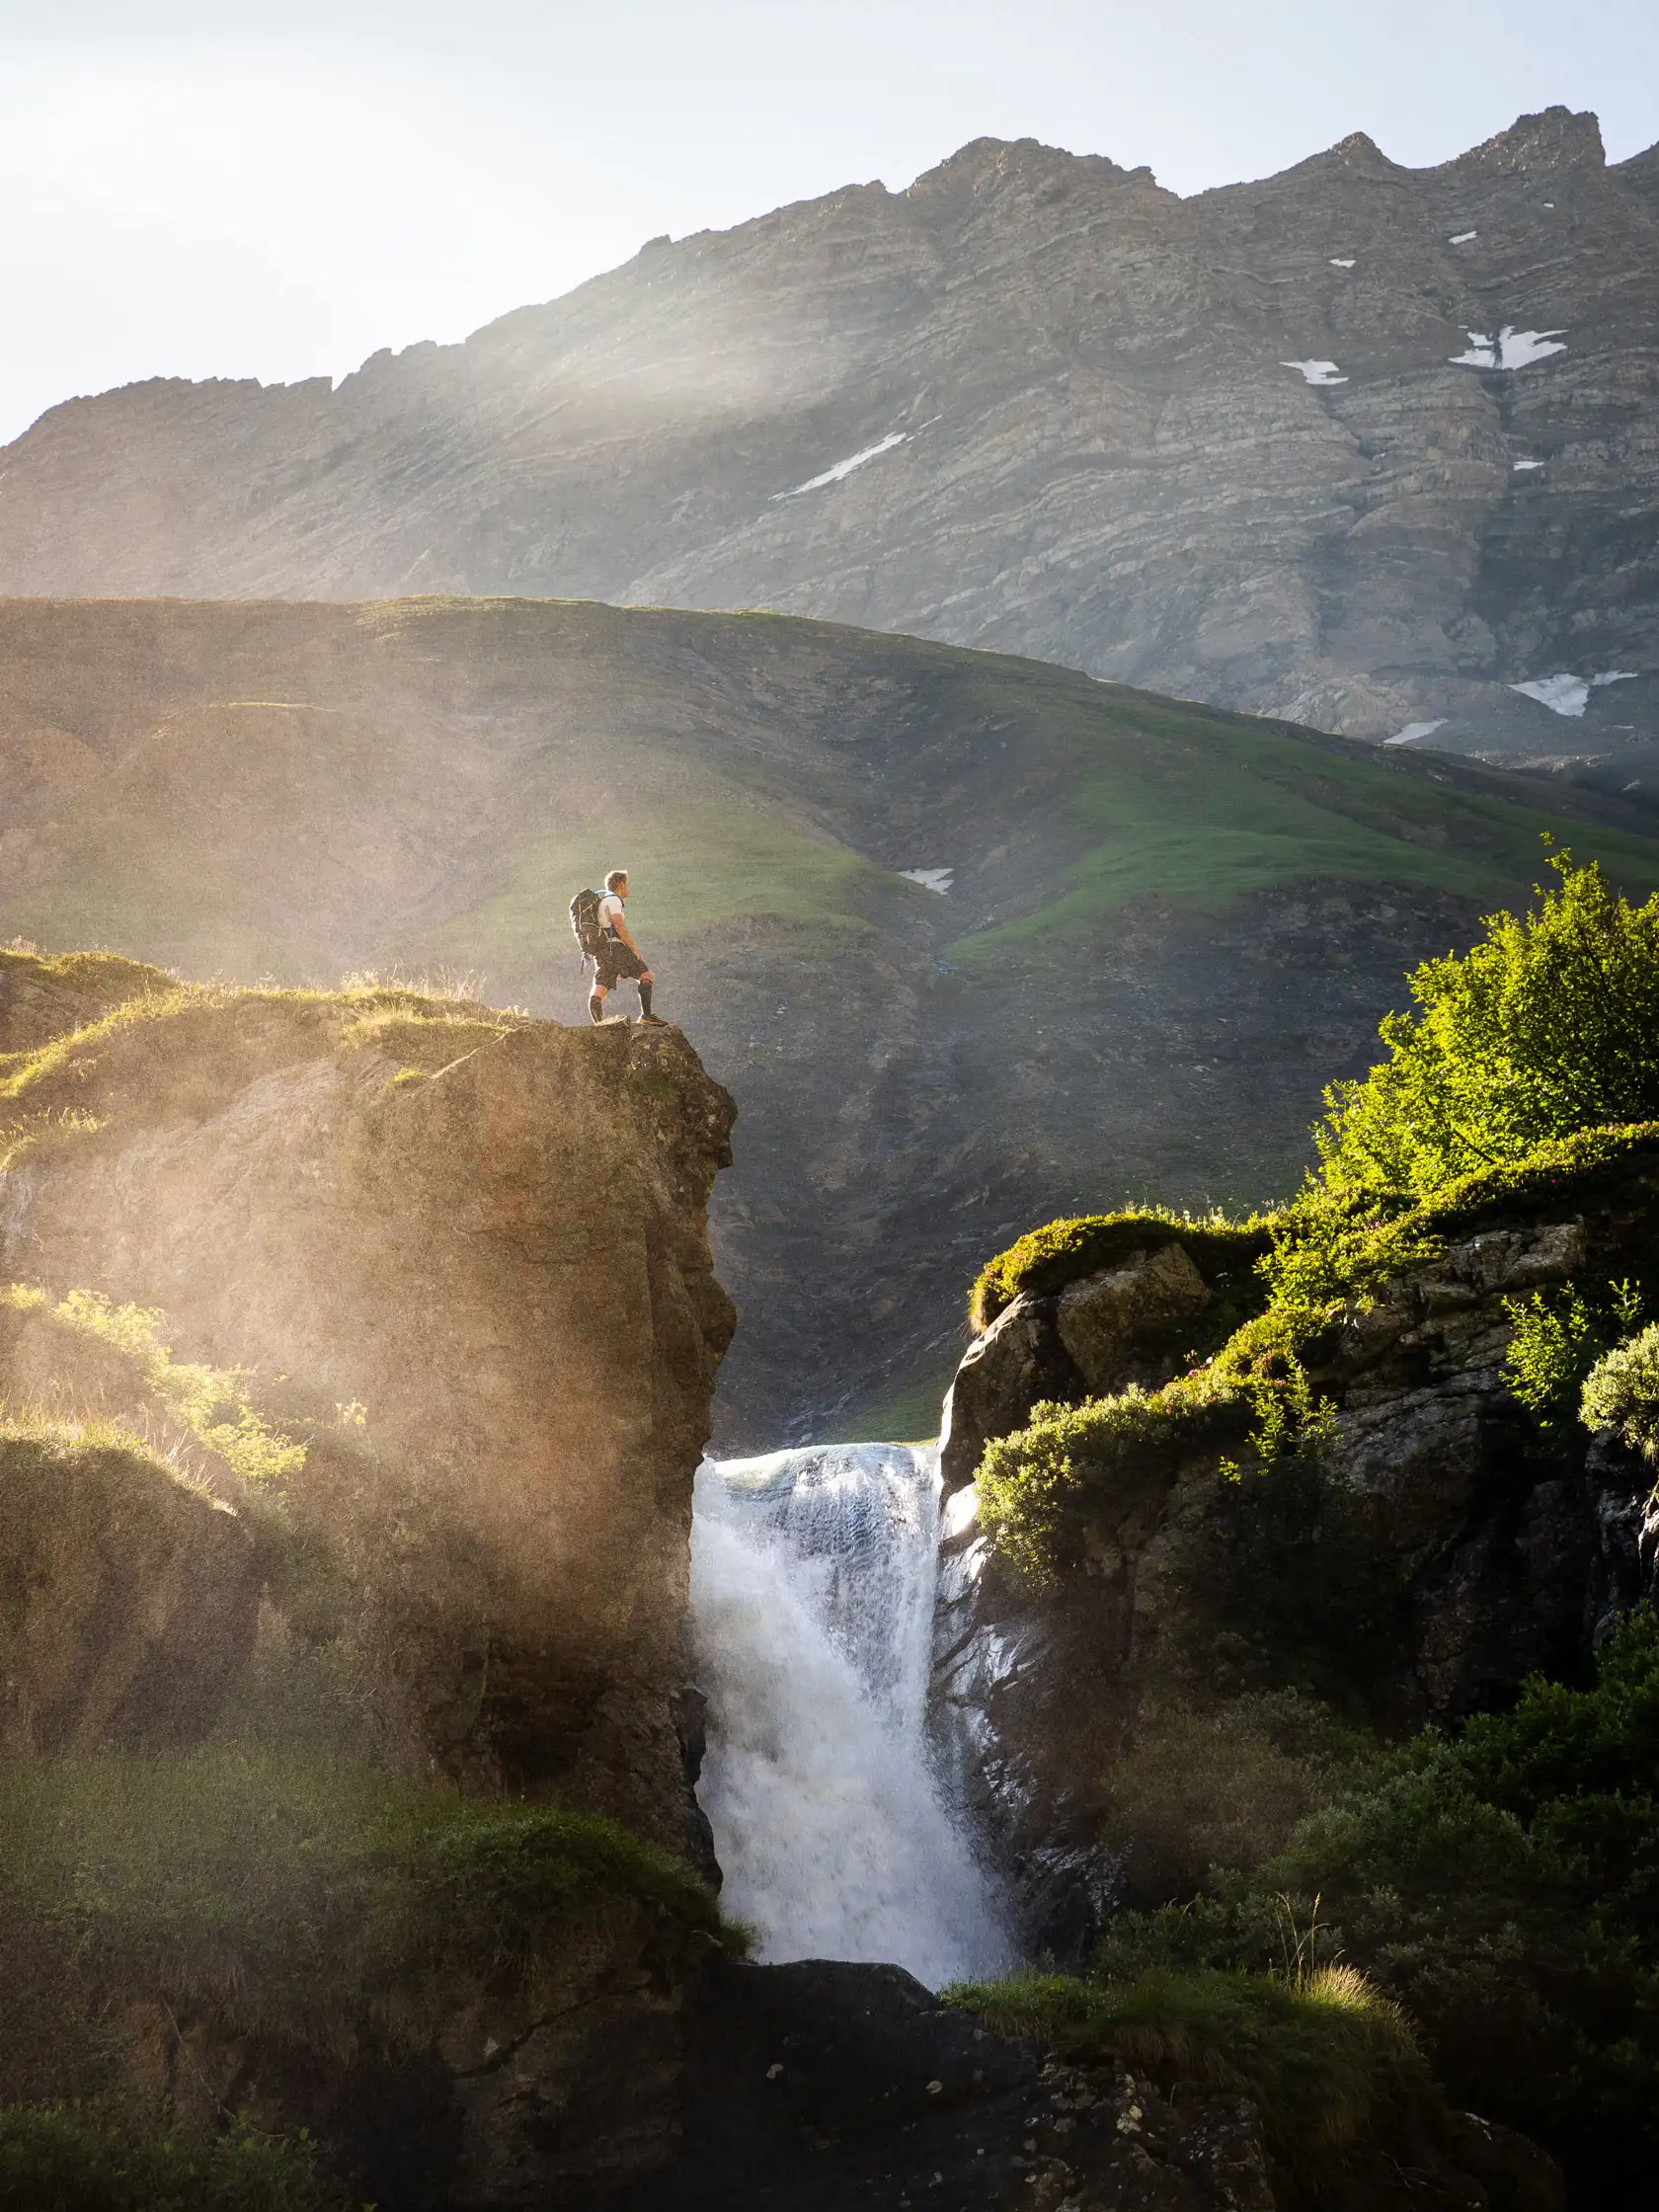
[731,791]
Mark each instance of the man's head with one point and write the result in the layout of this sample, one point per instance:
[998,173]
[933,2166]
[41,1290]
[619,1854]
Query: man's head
[617,881]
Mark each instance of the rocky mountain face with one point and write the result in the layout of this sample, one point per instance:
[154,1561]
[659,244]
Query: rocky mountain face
[957,929]
[1458,1550]
[1363,445]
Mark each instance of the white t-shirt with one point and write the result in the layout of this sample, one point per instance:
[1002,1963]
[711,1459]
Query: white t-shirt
[610,911]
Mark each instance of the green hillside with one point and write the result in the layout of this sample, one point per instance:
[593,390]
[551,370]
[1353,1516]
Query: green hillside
[1165,929]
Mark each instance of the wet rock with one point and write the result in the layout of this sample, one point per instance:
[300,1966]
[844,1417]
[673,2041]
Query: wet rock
[1018,1361]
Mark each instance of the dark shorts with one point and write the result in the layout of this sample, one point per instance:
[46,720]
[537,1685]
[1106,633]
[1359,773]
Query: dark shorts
[613,963]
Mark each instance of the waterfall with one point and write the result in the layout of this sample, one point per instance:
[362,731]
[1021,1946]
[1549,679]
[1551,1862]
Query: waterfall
[813,1579]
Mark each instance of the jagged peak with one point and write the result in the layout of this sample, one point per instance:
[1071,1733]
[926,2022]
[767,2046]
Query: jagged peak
[1554,138]
[985,163]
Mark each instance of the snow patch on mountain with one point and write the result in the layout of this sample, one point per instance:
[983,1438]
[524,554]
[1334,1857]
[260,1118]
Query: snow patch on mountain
[1508,347]
[846,468]
[1415,730]
[930,879]
[1320,373]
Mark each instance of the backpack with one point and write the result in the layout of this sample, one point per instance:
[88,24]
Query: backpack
[586,924]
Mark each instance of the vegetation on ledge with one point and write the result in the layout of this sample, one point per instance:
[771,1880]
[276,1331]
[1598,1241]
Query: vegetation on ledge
[1503,1886]
[281,1890]
[1329,2061]
[1567,1111]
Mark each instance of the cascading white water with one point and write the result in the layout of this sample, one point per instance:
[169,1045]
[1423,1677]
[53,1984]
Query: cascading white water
[812,1578]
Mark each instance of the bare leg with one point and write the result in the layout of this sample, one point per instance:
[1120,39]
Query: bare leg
[596,1003]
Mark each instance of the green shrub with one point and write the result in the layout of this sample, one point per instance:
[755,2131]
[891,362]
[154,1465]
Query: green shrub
[1503,1886]
[1222,1785]
[1558,1337]
[1329,2060]
[1036,1485]
[122,2157]
[1621,1392]
[1549,1025]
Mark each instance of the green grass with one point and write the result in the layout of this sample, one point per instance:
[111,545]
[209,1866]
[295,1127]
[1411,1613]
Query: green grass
[1045,1260]
[1329,2061]
[700,863]
[210,1403]
[121,2155]
[1196,810]
[284,1892]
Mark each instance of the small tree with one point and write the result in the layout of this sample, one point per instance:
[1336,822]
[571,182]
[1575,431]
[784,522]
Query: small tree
[1549,1025]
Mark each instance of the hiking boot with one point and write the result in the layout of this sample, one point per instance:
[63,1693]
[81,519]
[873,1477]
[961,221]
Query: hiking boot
[652,1021]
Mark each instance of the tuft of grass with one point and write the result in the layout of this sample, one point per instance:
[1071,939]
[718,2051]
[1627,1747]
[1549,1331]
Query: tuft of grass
[210,1403]
[1330,2062]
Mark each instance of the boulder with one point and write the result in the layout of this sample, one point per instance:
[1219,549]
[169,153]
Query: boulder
[1116,1325]
[1018,1361]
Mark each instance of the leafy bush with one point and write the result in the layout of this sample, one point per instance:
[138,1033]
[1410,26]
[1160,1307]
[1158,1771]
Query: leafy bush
[1033,1483]
[1549,1025]
[1221,1786]
[1559,1335]
[110,2157]
[1330,2062]
[1503,1886]
[1621,1392]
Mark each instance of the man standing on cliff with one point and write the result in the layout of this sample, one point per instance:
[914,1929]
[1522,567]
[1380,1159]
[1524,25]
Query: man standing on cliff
[618,956]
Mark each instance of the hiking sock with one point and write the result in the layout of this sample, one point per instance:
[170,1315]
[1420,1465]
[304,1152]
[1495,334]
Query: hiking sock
[595,1006]
[645,999]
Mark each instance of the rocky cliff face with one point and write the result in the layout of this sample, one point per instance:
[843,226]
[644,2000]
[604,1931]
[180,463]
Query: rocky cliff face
[497,1266]
[1360,445]
[1456,1548]
[426,1295]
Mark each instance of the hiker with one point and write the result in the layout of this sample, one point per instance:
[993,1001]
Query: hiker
[617,955]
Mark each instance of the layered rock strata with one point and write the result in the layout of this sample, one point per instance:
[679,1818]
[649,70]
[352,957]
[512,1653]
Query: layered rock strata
[1363,444]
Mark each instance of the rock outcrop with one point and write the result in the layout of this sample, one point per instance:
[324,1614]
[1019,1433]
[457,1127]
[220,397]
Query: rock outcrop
[1363,444]
[1451,1549]
[426,1293]
[498,1267]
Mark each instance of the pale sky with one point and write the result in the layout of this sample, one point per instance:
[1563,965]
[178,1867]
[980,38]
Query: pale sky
[200,187]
